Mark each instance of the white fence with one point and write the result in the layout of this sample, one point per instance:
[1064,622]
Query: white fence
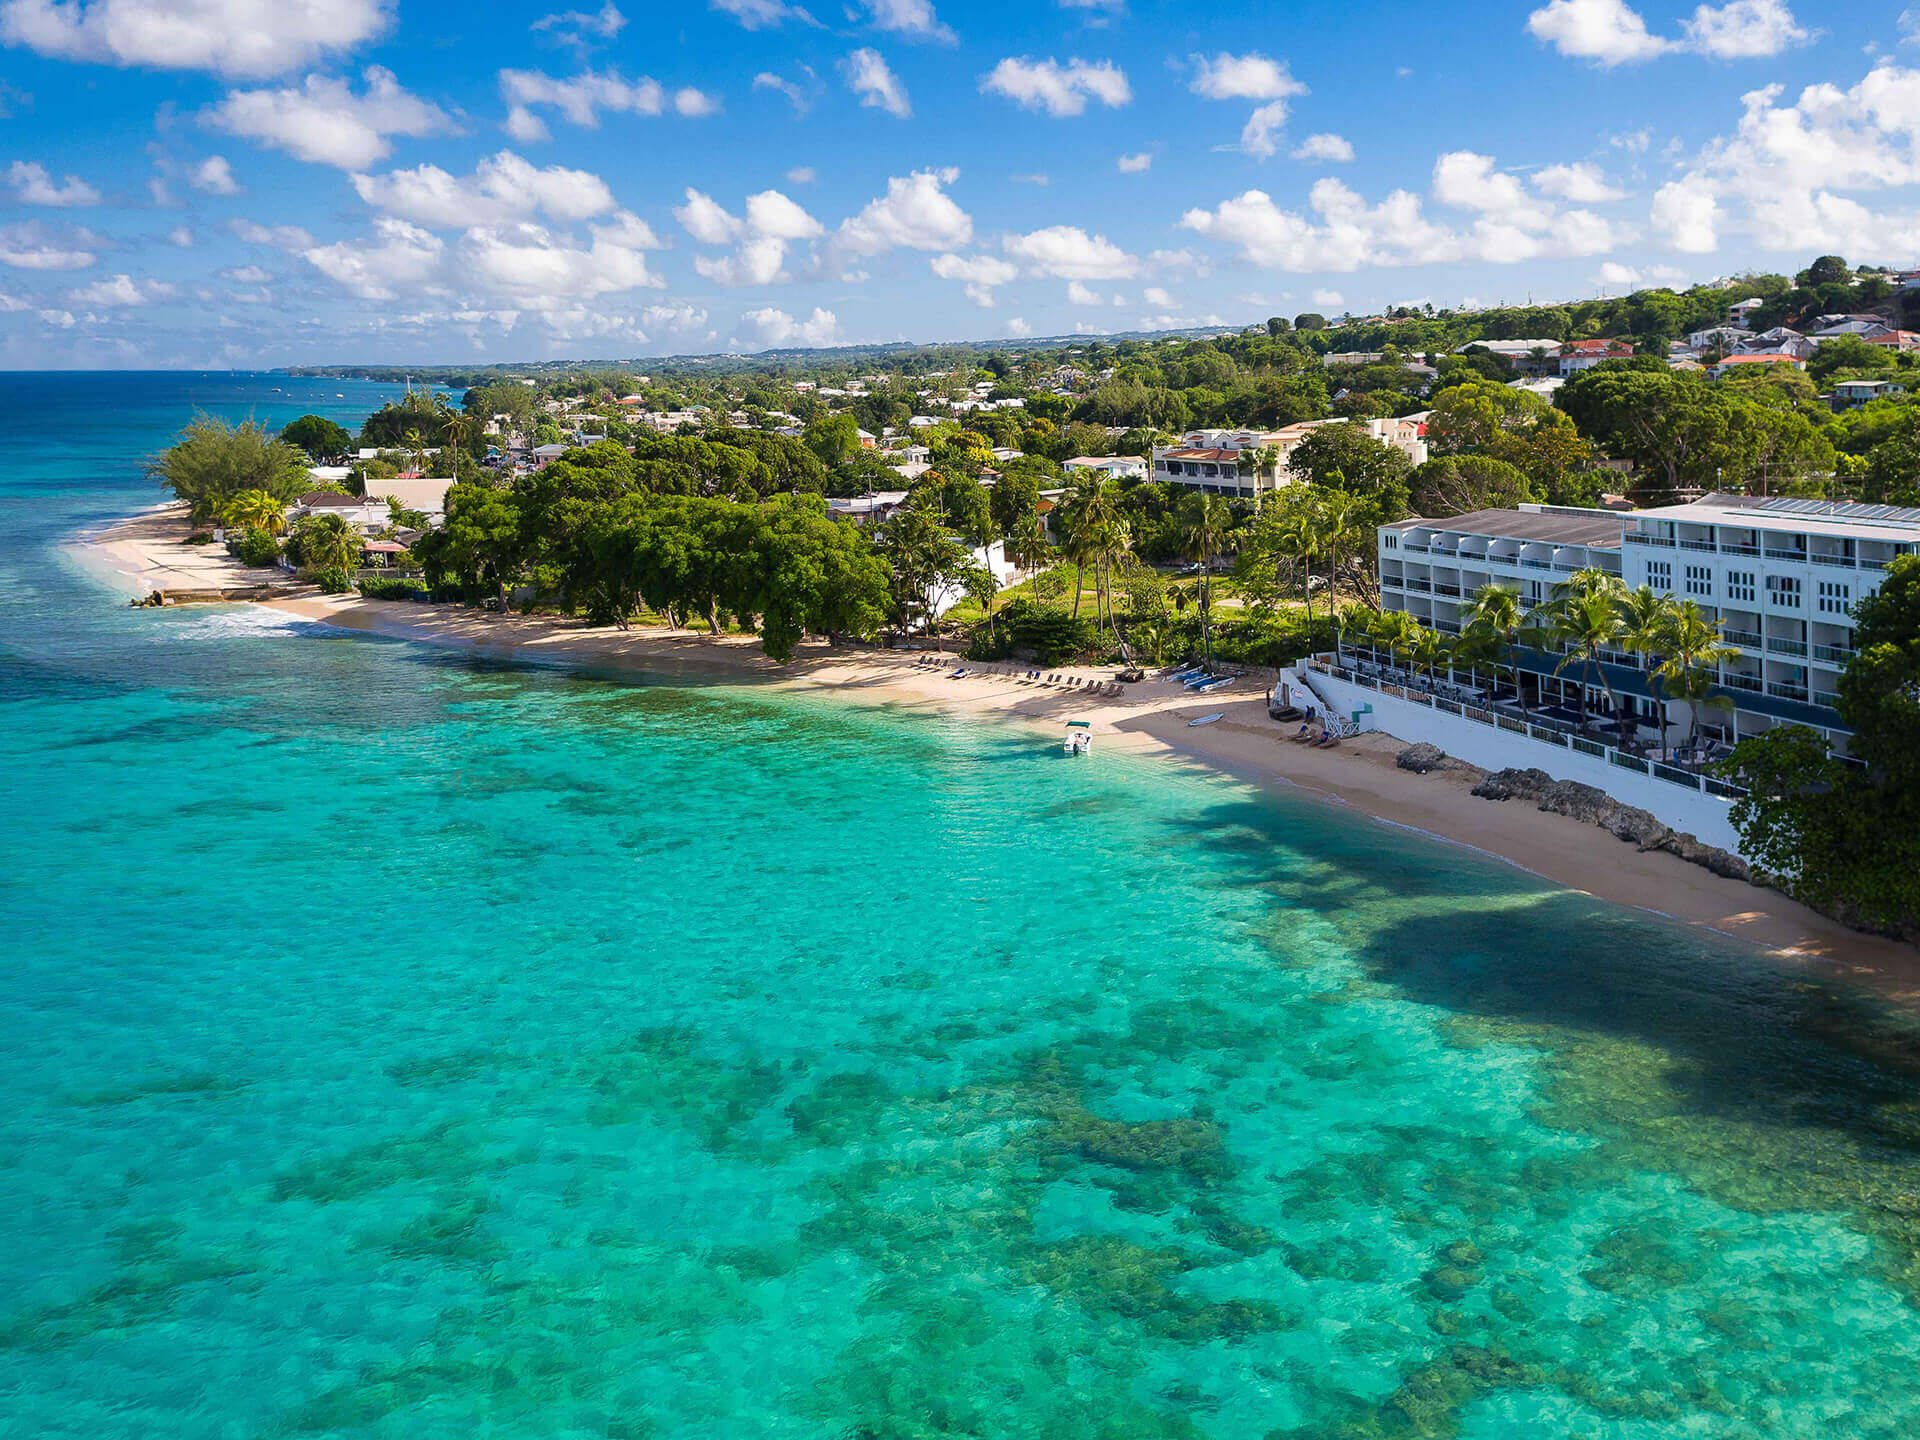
[1699,805]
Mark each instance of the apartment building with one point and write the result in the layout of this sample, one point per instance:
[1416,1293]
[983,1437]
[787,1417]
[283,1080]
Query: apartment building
[1210,460]
[1782,576]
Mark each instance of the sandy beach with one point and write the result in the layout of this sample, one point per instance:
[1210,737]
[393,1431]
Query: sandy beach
[1152,717]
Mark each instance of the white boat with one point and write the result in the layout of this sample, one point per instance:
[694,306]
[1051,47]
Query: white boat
[1079,738]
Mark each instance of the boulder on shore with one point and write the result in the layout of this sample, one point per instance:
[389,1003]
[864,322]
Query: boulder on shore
[1593,806]
[1423,758]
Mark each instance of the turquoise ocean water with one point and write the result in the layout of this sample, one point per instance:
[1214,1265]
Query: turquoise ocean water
[402,1046]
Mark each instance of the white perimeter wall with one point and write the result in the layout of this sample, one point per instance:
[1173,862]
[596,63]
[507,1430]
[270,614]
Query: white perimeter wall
[1706,817]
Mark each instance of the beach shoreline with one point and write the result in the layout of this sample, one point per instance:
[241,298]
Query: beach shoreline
[1151,718]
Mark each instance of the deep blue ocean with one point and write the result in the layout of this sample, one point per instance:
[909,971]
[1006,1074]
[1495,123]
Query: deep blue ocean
[404,1046]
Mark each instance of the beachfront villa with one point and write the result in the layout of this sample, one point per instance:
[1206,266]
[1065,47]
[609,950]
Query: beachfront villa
[1781,575]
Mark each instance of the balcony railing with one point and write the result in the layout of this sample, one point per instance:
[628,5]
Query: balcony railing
[1415,546]
[1741,637]
[1845,562]
[1636,537]
[1833,654]
[1828,698]
[1706,545]
[1797,555]
[1781,690]
[1415,583]
[1731,547]
[1440,587]
[1536,564]
[1525,733]
[1786,647]
[1733,680]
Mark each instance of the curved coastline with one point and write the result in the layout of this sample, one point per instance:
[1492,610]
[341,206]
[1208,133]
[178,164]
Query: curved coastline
[1150,717]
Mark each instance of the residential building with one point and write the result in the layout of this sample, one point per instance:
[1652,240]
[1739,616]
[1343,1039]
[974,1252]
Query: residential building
[367,515]
[1784,576]
[865,509]
[1532,358]
[1900,340]
[1779,341]
[1578,355]
[1741,311]
[1720,337]
[1352,357]
[1860,327]
[1781,575]
[427,494]
[1118,467]
[1209,460]
[1852,394]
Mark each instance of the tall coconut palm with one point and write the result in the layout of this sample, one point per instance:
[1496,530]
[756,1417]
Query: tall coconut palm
[1346,527]
[1496,617]
[255,509]
[328,542]
[1298,537]
[1694,654]
[1204,521]
[1587,623]
[1074,508]
[1643,625]
[416,446]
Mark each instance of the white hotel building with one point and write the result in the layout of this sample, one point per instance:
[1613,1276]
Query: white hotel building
[1781,575]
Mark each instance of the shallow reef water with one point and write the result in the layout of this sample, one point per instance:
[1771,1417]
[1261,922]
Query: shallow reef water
[400,1046]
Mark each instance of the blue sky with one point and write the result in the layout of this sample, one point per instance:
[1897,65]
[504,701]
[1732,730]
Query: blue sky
[256,182]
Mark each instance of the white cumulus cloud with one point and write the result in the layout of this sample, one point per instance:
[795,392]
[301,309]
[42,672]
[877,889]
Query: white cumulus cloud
[1243,77]
[32,185]
[1581,183]
[1611,32]
[916,213]
[214,176]
[248,39]
[1066,252]
[979,274]
[324,122]
[915,19]
[581,98]
[1135,164]
[1058,89]
[770,329]
[401,257]
[868,76]
[503,187]
[1328,149]
[120,292]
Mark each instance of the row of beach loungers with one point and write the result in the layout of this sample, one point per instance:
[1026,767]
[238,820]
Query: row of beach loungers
[1044,679]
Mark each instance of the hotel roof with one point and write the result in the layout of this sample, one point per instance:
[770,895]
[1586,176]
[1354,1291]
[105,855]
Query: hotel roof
[1836,518]
[1598,532]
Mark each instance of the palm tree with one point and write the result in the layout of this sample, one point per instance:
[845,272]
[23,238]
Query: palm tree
[1203,521]
[1074,506]
[1694,654]
[1497,618]
[982,586]
[1643,624]
[328,542]
[1426,648]
[1588,623]
[416,445]
[1027,542]
[254,509]
[1346,527]
[1297,537]
[459,427]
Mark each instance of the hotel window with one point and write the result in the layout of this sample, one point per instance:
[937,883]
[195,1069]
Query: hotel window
[1390,542]
[1784,591]
[1660,574]
[1740,585]
[1836,597]
[1699,580]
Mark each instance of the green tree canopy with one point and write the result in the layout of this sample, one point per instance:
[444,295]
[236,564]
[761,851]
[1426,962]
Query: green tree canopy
[320,437]
[214,461]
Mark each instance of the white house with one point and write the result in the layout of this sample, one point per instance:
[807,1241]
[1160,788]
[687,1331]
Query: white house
[1119,467]
[366,515]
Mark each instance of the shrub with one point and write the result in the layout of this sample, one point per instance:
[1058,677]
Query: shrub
[332,581]
[1051,636]
[255,547]
[394,589]
[200,537]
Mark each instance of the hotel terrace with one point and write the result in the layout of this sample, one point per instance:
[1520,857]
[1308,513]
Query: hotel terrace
[1781,575]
